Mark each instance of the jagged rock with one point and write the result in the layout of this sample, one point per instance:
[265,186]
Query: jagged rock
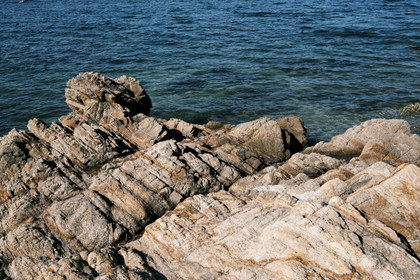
[394,202]
[411,108]
[254,145]
[375,140]
[294,230]
[314,217]
[404,150]
[124,93]
[354,139]
[13,155]
[70,191]
[112,193]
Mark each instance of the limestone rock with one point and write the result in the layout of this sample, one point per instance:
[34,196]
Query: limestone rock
[256,144]
[354,139]
[404,150]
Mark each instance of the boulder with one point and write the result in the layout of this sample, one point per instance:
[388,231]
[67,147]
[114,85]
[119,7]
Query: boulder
[126,94]
[375,140]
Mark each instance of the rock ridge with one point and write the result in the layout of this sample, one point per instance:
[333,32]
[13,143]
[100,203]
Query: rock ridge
[113,193]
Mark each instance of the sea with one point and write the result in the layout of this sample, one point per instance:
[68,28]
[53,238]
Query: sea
[334,63]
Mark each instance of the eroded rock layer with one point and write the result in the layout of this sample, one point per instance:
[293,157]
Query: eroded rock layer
[111,193]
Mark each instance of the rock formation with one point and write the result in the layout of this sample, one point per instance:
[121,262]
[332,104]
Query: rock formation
[112,193]
[411,108]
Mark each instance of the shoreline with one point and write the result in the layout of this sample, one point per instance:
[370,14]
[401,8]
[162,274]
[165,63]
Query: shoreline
[409,111]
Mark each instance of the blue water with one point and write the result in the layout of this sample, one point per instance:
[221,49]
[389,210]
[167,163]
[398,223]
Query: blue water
[333,63]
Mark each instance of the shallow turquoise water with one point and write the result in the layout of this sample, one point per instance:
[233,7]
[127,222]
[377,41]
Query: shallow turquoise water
[333,63]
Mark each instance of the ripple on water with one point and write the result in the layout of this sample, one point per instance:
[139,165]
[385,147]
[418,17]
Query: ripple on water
[333,63]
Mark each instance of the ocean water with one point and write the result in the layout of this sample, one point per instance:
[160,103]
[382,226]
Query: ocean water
[335,63]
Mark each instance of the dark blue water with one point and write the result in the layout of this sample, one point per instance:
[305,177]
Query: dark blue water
[333,63]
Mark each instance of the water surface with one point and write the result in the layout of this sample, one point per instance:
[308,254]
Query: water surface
[333,63]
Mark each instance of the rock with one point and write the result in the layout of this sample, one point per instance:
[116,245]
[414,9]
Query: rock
[375,140]
[404,150]
[296,171]
[88,88]
[296,229]
[254,145]
[13,155]
[393,201]
[411,108]
[73,193]
[112,193]
[354,139]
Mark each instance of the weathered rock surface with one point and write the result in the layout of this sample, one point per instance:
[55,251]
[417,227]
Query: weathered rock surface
[375,140]
[111,193]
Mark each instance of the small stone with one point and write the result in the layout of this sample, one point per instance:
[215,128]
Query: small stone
[412,108]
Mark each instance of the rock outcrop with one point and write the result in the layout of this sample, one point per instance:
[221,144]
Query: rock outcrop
[411,108]
[112,193]
[375,140]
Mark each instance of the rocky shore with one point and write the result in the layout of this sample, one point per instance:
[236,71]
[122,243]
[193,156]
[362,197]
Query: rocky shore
[112,193]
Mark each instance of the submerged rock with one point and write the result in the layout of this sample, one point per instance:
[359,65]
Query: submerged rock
[112,193]
[412,108]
